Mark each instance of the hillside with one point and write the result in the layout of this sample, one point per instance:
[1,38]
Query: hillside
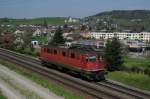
[126,14]
[119,20]
[50,20]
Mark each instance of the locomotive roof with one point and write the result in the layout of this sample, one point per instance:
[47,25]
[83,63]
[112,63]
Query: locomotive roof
[84,49]
[87,49]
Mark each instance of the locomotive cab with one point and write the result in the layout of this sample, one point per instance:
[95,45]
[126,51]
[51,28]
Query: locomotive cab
[94,63]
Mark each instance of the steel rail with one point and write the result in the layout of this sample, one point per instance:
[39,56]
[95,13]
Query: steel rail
[78,84]
[107,88]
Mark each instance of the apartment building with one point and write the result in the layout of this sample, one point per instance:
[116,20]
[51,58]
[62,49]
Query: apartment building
[144,36]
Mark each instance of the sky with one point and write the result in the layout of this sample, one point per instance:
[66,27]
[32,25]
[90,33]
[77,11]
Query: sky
[65,8]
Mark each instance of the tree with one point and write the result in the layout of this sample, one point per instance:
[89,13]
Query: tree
[45,23]
[7,40]
[83,28]
[5,20]
[27,38]
[58,37]
[113,55]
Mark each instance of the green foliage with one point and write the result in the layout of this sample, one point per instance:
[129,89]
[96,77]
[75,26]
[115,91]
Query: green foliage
[28,51]
[133,79]
[113,55]
[45,23]
[34,21]
[58,37]
[32,48]
[4,20]
[134,20]
[137,65]
[27,38]
[43,39]
[127,14]
[137,62]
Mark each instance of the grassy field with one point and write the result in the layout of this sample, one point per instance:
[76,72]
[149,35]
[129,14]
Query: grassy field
[132,79]
[136,62]
[41,39]
[50,20]
[60,91]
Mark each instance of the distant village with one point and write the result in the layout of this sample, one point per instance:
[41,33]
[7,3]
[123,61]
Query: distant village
[78,33]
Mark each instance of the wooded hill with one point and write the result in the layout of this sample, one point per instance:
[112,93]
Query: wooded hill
[119,20]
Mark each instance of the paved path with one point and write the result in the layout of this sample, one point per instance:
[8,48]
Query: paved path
[15,86]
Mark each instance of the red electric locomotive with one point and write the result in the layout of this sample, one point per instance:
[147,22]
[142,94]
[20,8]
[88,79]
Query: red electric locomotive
[79,59]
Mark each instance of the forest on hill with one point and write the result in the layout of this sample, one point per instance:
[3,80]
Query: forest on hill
[120,20]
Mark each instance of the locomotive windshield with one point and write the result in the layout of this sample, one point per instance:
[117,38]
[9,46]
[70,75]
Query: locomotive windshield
[91,59]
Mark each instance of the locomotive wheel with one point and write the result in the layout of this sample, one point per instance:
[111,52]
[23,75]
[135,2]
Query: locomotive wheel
[99,77]
[89,78]
[86,76]
[83,76]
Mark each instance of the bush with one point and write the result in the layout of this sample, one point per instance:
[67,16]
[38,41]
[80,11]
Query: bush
[147,71]
[137,70]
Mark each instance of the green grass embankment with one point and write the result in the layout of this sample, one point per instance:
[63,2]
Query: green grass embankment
[137,65]
[137,80]
[136,62]
[58,90]
[136,73]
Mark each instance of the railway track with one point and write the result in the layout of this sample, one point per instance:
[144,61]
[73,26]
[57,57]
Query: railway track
[100,90]
[134,92]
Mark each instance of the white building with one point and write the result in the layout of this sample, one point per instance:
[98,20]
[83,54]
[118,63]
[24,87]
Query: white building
[144,36]
[71,20]
[18,32]
[37,32]
[35,44]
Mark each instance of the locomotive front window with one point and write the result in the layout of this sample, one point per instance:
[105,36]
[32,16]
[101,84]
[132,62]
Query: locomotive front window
[91,59]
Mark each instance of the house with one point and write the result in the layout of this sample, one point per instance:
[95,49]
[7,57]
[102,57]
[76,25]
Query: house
[35,44]
[18,32]
[86,34]
[71,20]
[37,32]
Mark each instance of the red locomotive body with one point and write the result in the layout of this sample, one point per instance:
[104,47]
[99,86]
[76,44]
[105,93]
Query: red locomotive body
[88,64]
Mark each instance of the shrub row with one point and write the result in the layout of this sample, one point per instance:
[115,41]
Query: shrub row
[137,70]
[28,52]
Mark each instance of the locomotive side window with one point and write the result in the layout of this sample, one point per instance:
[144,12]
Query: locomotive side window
[45,50]
[55,52]
[64,53]
[48,50]
[72,55]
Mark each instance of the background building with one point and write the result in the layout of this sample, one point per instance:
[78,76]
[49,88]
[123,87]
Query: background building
[143,36]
